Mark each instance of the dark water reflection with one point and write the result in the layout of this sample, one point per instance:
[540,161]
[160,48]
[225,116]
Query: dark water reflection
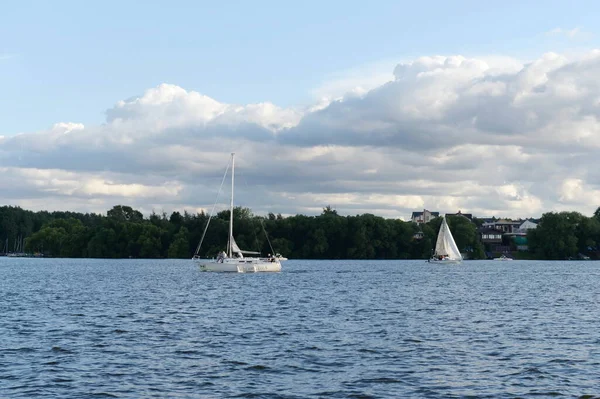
[319,329]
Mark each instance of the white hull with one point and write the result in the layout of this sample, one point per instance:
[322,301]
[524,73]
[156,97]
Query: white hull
[445,261]
[243,265]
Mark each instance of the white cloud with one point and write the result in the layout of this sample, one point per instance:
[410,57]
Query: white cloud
[168,106]
[569,33]
[354,81]
[490,135]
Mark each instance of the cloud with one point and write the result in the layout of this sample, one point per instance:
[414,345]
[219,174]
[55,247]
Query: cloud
[353,82]
[168,106]
[569,33]
[489,135]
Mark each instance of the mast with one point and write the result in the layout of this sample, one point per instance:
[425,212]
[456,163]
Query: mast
[231,207]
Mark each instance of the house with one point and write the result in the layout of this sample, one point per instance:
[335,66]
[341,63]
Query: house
[469,216]
[528,224]
[490,236]
[519,234]
[520,241]
[491,239]
[423,217]
[504,225]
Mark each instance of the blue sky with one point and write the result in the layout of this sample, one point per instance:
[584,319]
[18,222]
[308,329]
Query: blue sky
[69,61]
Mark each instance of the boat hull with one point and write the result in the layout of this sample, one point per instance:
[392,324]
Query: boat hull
[445,261]
[240,266]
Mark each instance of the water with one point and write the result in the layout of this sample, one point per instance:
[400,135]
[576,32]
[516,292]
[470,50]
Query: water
[320,329]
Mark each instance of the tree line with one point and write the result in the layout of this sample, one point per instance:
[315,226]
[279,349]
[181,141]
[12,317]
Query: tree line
[564,235]
[125,233]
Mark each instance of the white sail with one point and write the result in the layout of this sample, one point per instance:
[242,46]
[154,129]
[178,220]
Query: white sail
[236,250]
[234,247]
[445,246]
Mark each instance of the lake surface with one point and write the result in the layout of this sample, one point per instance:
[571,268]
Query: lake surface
[320,329]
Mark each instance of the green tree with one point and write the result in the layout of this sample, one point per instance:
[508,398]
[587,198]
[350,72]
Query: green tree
[125,213]
[102,244]
[317,242]
[587,232]
[555,237]
[149,241]
[60,237]
[597,214]
[180,247]
[49,240]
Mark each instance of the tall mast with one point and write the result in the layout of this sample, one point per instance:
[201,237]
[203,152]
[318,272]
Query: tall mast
[231,207]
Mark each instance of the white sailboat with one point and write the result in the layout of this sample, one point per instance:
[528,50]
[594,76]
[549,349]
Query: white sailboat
[446,250]
[233,260]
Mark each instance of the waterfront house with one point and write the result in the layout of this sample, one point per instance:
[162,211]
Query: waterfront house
[528,224]
[490,236]
[504,225]
[468,216]
[423,217]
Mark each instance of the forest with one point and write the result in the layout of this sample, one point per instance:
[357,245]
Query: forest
[125,233]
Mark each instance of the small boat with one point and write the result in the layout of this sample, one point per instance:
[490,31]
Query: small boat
[446,250]
[233,260]
[278,256]
[503,258]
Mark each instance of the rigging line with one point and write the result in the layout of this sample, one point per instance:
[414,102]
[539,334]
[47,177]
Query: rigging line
[266,235]
[213,210]
[242,177]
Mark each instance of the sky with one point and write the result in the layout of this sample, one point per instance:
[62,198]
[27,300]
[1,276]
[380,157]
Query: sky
[384,107]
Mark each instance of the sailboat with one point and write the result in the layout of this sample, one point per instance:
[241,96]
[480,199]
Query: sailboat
[446,250]
[233,260]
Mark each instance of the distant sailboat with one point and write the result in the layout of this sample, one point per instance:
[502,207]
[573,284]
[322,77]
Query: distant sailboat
[234,260]
[19,251]
[5,248]
[446,250]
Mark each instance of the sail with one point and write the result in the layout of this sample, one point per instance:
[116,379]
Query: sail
[235,249]
[445,245]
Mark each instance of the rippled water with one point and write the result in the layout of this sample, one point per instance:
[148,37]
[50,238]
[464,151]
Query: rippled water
[319,329]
